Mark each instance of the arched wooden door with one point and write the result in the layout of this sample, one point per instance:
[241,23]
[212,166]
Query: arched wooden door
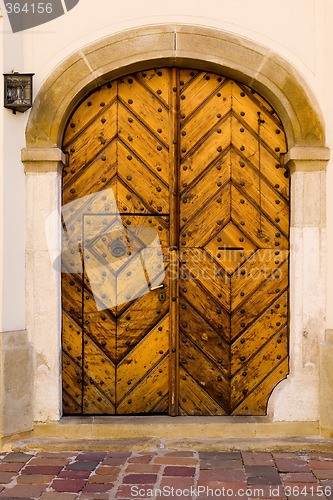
[195,157]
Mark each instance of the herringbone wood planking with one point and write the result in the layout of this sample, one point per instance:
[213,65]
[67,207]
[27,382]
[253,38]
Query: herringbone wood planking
[233,196]
[197,132]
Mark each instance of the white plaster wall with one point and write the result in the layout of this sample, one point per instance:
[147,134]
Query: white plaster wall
[12,194]
[327,98]
[299,30]
[288,26]
[1,179]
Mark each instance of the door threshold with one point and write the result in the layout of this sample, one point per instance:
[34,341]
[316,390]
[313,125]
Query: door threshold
[294,444]
[165,427]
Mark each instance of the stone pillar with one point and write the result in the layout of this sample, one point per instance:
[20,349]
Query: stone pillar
[43,285]
[326,385]
[297,397]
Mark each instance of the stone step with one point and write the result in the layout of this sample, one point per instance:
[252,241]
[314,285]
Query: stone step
[309,443]
[166,427]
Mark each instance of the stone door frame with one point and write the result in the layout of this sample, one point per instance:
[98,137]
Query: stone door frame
[295,398]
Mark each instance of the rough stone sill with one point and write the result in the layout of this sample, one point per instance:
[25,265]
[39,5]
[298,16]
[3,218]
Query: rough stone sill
[165,427]
[310,443]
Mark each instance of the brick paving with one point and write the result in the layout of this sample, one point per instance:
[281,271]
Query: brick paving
[122,475]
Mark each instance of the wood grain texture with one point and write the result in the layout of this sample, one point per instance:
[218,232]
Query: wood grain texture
[118,139]
[234,215]
[185,156]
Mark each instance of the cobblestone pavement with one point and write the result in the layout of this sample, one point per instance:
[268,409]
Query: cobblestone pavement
[166,474]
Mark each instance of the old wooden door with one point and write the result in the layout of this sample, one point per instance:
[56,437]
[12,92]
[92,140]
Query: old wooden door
[195,157]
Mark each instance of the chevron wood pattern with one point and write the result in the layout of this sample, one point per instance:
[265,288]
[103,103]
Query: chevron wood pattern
[118,138]
[196,157]
[234,239]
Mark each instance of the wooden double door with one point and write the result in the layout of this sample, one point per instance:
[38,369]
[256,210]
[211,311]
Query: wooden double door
[191,159]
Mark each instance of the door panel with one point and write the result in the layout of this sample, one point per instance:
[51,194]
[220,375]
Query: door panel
[186,190]
[235,213]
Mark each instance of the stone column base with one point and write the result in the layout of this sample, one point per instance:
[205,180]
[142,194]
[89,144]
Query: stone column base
[16,383]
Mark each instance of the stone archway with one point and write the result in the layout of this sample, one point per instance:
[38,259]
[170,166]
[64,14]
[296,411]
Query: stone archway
[297,398]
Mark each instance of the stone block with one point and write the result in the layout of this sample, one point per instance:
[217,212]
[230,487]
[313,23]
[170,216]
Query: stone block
[16,386]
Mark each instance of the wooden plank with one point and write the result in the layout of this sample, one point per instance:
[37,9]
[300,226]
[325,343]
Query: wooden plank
[262,103]
[133,324]
[103,282]
[266,293]
[203,270]
[154,194]
[72,297]
[272,173]
[248,105]
[130,201]
[99,370]
[205,373]
[98,176]
[200,88]
[142,359]
[209,118]
[90,143]
[256,402]
[102,332]
[104,233]
[162,406]
[246,141]
[70,407]
[222,248]
[211,184]
[207,305]
[143,145]
[244,316]
[71,338]
[186,75]
[249,173]
[221,174]
[89,110]
[194,326]
[257,369]
[146,105]
[174,243]
[255,336]
[95,402]
[207,222]
[147,231]
[155,80]
[259,229]
[194,400]
[149,393]
[210,150]
[247,181]
[72,382]
[257,269]
[101,202]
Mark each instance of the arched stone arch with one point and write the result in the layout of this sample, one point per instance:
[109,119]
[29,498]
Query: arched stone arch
[187,46]
[296,398]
